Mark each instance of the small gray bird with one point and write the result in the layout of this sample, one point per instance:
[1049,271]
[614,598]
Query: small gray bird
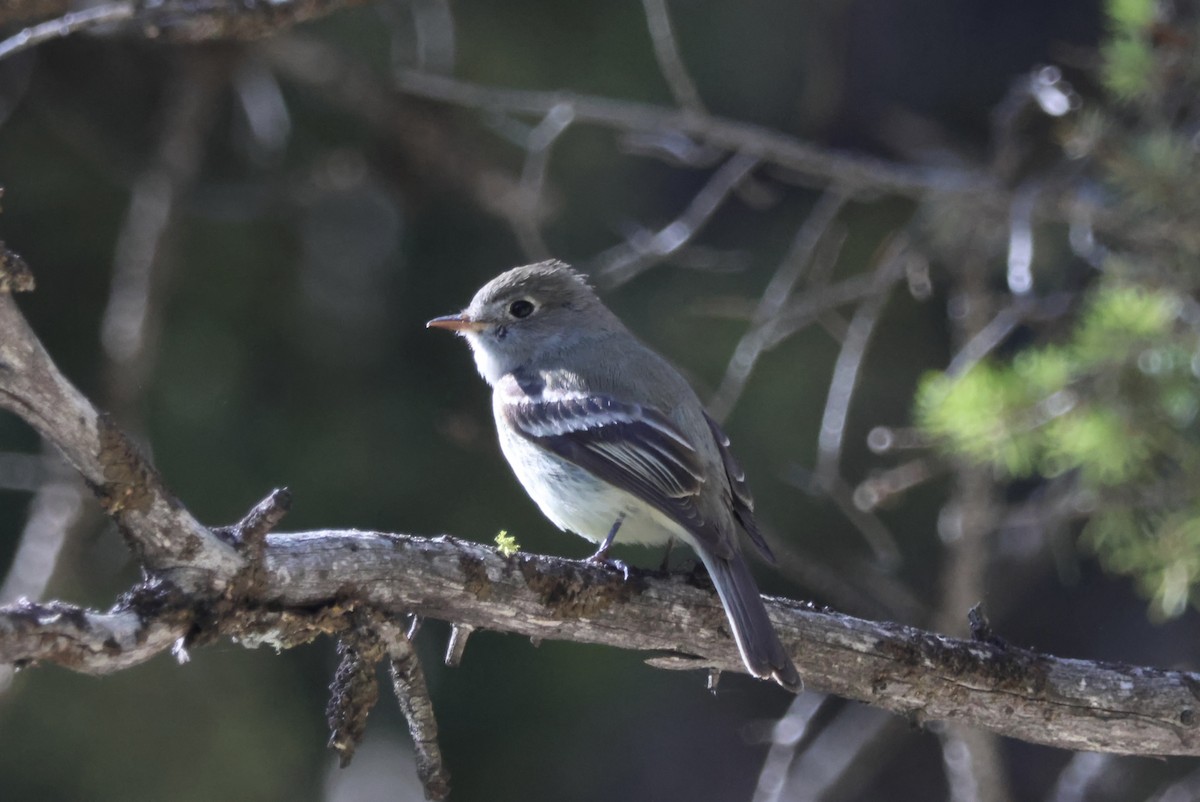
[607,437]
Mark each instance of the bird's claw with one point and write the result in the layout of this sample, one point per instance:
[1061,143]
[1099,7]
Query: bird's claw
[599,558]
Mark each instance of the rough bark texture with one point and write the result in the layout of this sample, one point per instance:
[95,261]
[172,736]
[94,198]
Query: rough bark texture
[1074,704]
[313,580]
[84,640]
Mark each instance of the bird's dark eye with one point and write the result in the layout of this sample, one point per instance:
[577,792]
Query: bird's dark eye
[521,308]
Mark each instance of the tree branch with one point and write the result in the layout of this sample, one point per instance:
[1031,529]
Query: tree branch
[178,20]
[86,640]
[312,581]
[408,683]
[66,25]
[670,63]
[157,527]
[853,172]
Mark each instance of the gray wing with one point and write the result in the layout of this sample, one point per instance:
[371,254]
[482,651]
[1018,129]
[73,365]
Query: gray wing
[633,447]
[742,501]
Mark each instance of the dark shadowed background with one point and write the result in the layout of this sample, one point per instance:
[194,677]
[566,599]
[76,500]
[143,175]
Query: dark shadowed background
[291,231]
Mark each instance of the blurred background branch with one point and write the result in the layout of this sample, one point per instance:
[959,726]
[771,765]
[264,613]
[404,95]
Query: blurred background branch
[1006,413]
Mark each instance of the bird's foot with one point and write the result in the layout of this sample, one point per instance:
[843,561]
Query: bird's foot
[601,558]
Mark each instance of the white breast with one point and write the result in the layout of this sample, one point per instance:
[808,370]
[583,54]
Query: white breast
[577,501]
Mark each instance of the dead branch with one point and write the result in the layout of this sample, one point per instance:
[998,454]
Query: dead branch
[408,683]
[312,581]
[85,640]
[66,25]
[177,20]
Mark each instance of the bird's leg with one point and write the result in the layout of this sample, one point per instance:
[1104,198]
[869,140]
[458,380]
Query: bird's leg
[602,553]
[601,556]
[665,566]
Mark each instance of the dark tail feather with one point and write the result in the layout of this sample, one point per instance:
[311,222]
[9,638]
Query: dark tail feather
[761,650]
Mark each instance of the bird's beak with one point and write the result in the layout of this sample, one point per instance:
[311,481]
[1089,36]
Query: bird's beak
[459,322]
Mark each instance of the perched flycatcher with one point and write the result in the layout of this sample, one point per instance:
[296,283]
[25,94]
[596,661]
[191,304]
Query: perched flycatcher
[611,442]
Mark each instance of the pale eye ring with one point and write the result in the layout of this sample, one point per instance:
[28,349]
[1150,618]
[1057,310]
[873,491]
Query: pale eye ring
[521,308]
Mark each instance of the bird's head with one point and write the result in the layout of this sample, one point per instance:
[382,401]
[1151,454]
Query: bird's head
[528,312]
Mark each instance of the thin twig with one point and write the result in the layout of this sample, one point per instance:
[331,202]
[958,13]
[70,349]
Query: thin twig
[874,531]
[670,147]
[54,510]
[991,335]
[54,513]
[787,733]
[456,646]
[1020,238]
[130,321]
[986,339]
[526,217]
[777,293]
[354,689]
[849,170]
[889,439]
[666,51]
[813,307]
[66,25]
[433,24]
[973,768]
[803,312]
[412,693]
[262,104]
[885,485]
[849,361]
[1082,777]
[843,756]
[827,475]
[266,515]
[623,262]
